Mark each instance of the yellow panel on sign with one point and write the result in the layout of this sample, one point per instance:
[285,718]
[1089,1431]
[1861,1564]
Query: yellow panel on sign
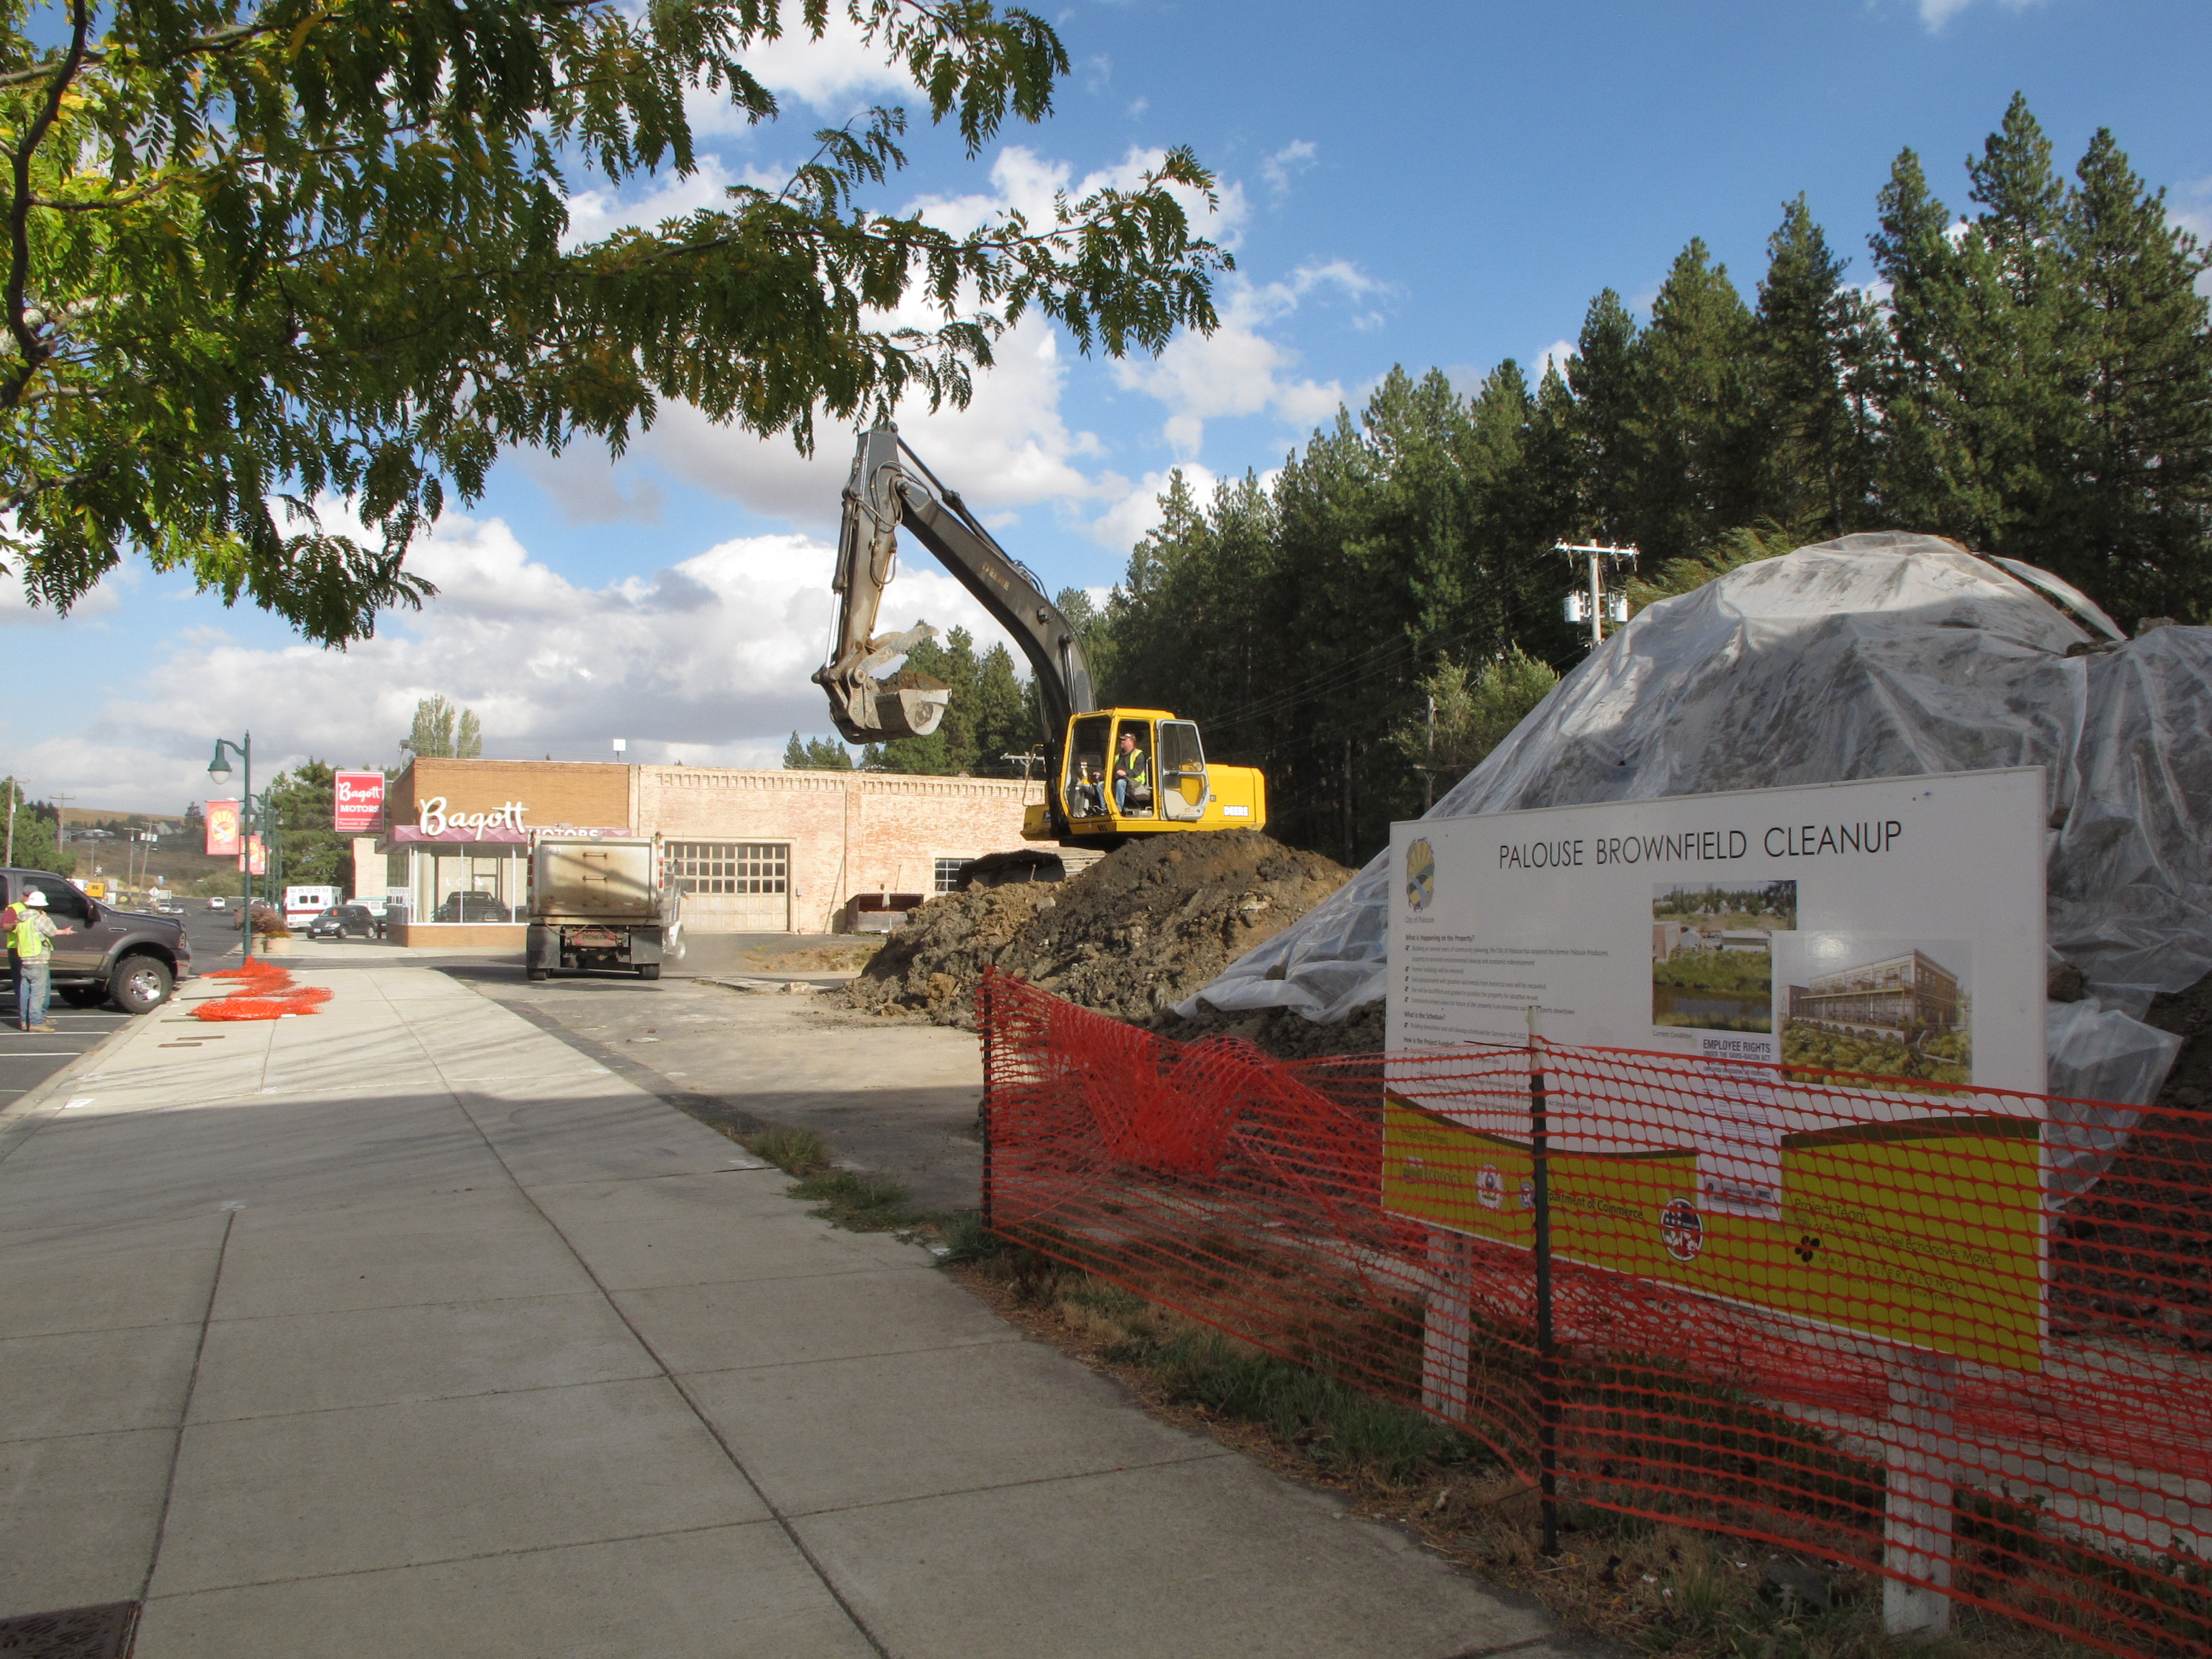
[1925,1232]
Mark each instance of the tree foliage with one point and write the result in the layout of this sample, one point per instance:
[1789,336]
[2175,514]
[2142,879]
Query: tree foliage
[816,754]
[269,252]
[301,813]
[36,842]
[444,731]
[2036,383]
[1465,716]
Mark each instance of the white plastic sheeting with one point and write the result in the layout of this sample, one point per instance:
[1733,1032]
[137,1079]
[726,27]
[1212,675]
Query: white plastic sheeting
[1872,656]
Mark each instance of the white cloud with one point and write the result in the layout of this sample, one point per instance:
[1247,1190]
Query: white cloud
[1130,519]
[1238,370]
[1553,355]
[707,659]
[105,598]
[1936,12]
[837,74]
[1296,156]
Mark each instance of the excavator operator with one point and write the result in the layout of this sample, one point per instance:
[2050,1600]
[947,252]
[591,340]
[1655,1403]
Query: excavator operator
[1132,778]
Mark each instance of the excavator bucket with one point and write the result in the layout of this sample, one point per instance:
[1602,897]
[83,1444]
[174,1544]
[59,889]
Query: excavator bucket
[910,712]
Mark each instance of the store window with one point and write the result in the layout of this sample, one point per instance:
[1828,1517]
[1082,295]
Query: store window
[948,874]
[466,885]
[729,867]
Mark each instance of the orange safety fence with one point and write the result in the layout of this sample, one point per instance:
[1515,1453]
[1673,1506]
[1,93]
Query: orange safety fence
[265,992]
[1959,1338]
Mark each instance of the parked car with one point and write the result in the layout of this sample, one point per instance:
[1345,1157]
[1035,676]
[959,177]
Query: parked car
[345,922]
[130,957]
[472,907]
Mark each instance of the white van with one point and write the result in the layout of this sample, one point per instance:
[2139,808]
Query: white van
[303,904]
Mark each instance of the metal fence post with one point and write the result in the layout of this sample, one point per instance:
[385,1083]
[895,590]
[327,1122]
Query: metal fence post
[983,1010]
[1547,1370]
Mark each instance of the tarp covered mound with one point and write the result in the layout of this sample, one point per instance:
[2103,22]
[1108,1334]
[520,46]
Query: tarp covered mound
[1872,656]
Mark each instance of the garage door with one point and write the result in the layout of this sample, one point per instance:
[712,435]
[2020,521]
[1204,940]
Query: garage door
[734,886]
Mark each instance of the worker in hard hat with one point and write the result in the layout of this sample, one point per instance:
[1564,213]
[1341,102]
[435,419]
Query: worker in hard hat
[1132,778]
[31,935]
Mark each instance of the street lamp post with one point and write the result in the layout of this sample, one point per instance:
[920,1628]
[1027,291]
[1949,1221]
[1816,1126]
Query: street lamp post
[219,769]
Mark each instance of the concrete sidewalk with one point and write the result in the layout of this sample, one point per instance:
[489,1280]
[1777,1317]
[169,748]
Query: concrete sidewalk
[404,1329]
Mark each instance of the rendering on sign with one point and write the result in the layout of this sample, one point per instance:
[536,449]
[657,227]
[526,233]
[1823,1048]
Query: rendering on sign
[223,828]
[357,801]
[1880,936]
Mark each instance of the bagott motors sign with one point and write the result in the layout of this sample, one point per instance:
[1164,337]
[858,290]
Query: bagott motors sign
[436,820]
[357,799]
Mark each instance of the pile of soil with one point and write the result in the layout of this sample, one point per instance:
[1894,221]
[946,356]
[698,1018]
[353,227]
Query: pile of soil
[1145,927]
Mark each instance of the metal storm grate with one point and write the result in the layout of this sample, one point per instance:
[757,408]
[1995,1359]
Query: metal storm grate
[105,1631]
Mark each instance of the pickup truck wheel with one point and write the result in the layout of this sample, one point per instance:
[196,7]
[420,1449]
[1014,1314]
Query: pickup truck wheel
[648,970]
[140,984]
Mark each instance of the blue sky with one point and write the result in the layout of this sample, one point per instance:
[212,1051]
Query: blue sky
[1431,185]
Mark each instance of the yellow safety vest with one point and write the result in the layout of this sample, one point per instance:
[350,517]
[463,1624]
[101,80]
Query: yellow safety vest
[26,940]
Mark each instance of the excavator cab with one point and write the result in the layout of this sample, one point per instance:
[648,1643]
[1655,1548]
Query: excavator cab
[1127,771]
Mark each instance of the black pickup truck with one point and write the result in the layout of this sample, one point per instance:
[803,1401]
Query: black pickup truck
[129,957]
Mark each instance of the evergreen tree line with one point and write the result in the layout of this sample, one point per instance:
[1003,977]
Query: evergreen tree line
[2034,380]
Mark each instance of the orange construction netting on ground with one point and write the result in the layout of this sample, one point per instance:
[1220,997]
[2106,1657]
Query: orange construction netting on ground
[265,992]
[1958,1337]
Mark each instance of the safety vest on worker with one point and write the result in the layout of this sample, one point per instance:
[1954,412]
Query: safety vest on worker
[26,939]
[1132,764]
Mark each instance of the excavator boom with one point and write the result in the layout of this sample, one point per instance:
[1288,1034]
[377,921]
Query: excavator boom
[889,485]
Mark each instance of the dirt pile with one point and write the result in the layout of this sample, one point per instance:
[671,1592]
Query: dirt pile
[1144,926]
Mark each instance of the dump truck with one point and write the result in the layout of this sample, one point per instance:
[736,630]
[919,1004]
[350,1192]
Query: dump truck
[1110,773]
[601,902]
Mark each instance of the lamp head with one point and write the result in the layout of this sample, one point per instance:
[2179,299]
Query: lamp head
[219,767]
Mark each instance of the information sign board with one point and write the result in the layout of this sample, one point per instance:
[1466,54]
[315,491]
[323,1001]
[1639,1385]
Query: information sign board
[1881,935]
[357,801]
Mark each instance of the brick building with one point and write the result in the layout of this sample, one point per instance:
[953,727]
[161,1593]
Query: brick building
[753,851]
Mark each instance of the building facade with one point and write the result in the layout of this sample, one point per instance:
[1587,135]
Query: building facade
[751,851]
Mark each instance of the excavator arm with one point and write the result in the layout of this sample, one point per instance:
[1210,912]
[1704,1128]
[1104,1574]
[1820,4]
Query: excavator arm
[889,485]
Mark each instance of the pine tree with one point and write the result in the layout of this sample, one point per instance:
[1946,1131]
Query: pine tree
[1698,470]
[2130,526]
[1609,461]
[1813,346]
[794,755]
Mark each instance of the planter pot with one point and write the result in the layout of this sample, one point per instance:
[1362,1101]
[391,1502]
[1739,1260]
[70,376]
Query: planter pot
[274,945]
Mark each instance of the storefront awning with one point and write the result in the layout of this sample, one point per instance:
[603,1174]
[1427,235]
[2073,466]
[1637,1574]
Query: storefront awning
[407,835]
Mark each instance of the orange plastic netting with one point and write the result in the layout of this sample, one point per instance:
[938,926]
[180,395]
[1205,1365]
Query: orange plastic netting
[265,992]
[1959,1338]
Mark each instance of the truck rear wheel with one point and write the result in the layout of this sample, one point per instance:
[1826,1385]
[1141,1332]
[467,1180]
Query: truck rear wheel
[648,970]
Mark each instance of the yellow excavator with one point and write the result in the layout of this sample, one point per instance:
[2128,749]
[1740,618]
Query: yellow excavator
[1110,773]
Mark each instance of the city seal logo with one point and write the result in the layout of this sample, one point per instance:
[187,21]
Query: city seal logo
[1490,1187]
[1421,875]
[1681,1229]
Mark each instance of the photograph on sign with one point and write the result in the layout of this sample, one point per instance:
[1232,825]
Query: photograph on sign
[1811,975]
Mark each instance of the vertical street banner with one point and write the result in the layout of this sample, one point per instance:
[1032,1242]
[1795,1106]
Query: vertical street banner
[223,828]
[357,799]
[1827,1009]
[257,860]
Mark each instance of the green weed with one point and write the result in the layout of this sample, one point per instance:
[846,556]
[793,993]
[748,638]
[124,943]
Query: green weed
[861,1203]
[795,1152]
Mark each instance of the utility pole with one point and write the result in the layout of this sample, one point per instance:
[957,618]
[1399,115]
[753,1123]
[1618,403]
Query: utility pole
[1429,772]
[14,794]
[1598,604]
